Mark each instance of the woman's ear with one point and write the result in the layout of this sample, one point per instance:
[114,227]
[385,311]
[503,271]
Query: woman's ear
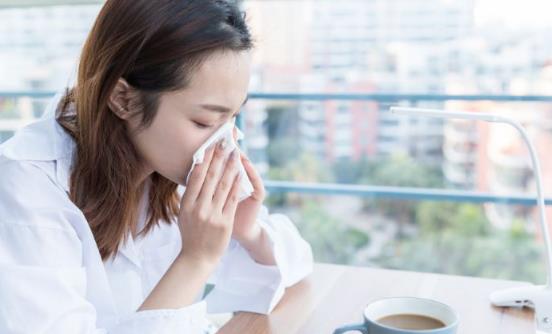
[119,99]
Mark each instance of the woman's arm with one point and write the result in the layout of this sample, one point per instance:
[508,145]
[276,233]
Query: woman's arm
[260,247]
[243,283]
[170,292]
[51,271]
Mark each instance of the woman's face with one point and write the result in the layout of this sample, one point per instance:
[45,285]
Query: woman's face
[186,118]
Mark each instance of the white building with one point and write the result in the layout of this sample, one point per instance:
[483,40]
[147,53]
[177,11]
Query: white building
[390,44]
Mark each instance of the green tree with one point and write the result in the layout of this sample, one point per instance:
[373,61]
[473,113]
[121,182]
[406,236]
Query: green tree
[282,151]
[331,240]
[400,171]
[305,168]
[352,172]
[457,238]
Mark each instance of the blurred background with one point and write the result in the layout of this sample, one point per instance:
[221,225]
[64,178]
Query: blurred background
[364,187]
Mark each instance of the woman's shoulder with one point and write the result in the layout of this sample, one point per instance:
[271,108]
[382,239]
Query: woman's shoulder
[30,194]
[26,176]
[16,167]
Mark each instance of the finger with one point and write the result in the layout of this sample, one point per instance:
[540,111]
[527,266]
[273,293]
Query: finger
[213,175]
[253,176]
[231,204]
[225,185]
[199,172]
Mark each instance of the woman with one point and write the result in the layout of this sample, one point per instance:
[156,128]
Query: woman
[95,234]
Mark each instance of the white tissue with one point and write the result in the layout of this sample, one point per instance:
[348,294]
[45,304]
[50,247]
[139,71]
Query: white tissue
[226,132]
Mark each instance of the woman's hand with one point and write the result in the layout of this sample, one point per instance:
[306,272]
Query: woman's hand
[205,221]
[246,229]
[209,206]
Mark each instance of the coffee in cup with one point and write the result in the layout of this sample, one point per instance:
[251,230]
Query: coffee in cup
[405,315]
[411,321]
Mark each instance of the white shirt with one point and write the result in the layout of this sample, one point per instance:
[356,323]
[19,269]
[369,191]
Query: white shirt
[53,280]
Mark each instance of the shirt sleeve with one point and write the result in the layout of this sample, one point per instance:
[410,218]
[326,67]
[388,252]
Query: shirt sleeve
[43,281]
[241,284]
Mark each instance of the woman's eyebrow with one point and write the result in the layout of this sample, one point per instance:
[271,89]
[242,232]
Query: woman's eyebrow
[221,109]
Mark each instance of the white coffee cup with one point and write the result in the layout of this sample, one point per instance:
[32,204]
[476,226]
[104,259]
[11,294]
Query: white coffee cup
[395,307]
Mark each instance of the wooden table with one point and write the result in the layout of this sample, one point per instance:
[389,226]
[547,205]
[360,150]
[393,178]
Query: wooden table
[335,295]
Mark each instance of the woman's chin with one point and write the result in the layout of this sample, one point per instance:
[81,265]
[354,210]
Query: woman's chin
[178,179]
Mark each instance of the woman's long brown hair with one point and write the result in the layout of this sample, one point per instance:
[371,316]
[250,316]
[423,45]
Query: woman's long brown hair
[154,46]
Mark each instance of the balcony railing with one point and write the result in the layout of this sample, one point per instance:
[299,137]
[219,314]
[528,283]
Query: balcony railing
[403,193]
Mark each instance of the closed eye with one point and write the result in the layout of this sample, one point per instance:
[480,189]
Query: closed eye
[202,126]
[207,126]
